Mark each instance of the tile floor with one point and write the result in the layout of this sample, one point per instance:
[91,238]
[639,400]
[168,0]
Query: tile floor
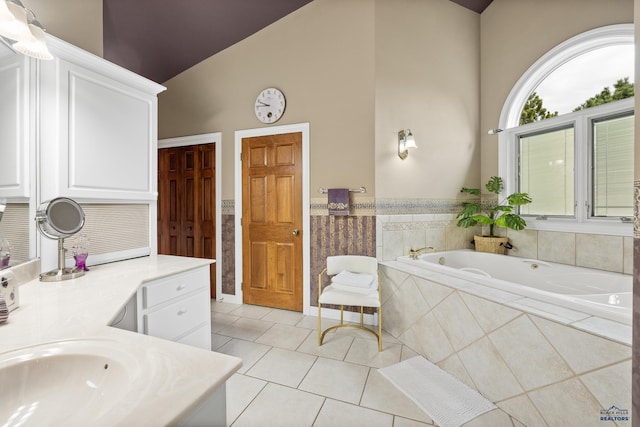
[288,380]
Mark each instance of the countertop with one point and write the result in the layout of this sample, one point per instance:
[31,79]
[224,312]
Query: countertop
[82,308]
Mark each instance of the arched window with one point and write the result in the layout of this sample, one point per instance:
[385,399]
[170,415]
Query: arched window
[576,165]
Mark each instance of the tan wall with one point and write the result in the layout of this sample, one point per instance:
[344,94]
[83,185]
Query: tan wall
[322,58]
[427,79]
[78,22]
[514,34]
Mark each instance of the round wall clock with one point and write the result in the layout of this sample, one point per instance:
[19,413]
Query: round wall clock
[270,104]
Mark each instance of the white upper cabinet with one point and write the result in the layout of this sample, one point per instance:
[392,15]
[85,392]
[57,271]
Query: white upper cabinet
[98,126]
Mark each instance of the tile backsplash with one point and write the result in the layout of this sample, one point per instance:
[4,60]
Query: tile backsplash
[396,234]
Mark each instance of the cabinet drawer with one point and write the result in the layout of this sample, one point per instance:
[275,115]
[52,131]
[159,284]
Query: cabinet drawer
[161,290]
[179,317]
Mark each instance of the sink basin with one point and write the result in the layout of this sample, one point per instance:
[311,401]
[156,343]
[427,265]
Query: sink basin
[64,383]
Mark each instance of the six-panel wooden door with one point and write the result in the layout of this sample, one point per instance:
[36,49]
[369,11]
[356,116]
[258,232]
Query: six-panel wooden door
[272,221]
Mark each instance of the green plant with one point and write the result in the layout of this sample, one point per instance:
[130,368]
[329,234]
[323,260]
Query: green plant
[493,214]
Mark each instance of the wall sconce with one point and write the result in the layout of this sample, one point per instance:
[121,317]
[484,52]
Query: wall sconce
[405,141]
[494,131]
[19,24]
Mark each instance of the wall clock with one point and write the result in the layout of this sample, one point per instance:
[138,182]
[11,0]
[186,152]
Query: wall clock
[269,105]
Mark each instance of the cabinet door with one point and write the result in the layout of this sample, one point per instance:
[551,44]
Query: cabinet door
[14,111]
[108,137]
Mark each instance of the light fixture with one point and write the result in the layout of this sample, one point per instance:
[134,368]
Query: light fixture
[36,45]
[494,131]
[13,20]
[19,24]
[405,141]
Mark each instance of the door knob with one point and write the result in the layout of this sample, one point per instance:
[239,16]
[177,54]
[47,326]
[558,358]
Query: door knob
[296,232]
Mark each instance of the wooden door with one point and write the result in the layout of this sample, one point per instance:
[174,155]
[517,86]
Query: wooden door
[272,221]
[186,203]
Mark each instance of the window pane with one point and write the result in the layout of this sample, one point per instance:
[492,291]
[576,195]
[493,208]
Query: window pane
[546,172]
[613,167]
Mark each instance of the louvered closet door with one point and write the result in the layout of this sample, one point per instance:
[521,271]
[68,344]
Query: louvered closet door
[186,203]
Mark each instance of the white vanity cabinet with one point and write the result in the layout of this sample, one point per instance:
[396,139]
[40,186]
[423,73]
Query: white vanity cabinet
[177,308]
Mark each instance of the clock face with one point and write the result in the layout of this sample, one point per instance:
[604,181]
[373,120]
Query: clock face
[269,106]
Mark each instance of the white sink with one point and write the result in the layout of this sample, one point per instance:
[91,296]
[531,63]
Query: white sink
[65,383]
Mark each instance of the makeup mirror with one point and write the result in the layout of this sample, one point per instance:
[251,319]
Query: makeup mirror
[57,219]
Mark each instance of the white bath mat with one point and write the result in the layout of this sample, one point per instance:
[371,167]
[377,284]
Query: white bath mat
[445,399]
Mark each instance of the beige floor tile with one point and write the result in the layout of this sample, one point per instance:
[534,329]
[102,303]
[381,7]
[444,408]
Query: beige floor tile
[284,367]
[407,353]
[220,321]
[245,329]
[404,422]
[365,352]
[248,351]
[333,347]
[223,307]
[381,395]
[494,418]
[251,311]
[359,333]
[279,406]
[311,322]
[241,390]
[336,379]
[284,336]
[284,316]
[218,341]
[335,413]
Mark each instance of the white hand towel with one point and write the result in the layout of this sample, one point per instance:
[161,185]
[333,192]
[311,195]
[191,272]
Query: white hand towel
[355,289]
[356,280]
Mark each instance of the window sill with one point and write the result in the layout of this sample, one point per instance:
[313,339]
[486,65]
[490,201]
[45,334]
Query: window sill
[609,227]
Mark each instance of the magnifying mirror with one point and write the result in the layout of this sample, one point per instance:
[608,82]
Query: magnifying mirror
[57,219]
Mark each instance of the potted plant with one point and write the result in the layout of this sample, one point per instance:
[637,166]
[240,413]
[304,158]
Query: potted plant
[494,213]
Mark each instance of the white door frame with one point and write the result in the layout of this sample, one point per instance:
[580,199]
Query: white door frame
[306,256]
[207,138]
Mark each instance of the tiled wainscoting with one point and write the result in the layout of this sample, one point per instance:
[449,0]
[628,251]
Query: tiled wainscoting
[540,368]
[415,224]
[636,303]
[228,256]
[339,235]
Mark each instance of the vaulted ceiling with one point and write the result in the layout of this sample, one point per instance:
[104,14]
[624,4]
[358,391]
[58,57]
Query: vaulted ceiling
[161,39]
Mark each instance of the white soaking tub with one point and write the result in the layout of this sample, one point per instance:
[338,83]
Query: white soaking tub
[596,292]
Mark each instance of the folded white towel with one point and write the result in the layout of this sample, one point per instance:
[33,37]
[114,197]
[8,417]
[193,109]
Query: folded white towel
[357,280]
[355,289]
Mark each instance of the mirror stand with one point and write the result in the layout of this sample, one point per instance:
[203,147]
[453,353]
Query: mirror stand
[62,272]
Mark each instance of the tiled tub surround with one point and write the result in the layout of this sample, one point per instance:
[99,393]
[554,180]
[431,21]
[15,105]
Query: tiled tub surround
[540,363]
[396,234]
[599,293]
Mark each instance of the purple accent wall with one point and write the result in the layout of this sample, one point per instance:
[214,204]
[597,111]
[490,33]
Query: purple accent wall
[160,39]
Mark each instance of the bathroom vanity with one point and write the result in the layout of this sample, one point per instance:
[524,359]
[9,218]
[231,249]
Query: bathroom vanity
[158,381]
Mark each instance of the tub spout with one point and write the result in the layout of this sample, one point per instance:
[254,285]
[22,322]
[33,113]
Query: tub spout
[413,253]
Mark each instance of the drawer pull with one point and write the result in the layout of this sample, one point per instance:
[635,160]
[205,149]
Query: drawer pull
[181,287]
[181,312]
